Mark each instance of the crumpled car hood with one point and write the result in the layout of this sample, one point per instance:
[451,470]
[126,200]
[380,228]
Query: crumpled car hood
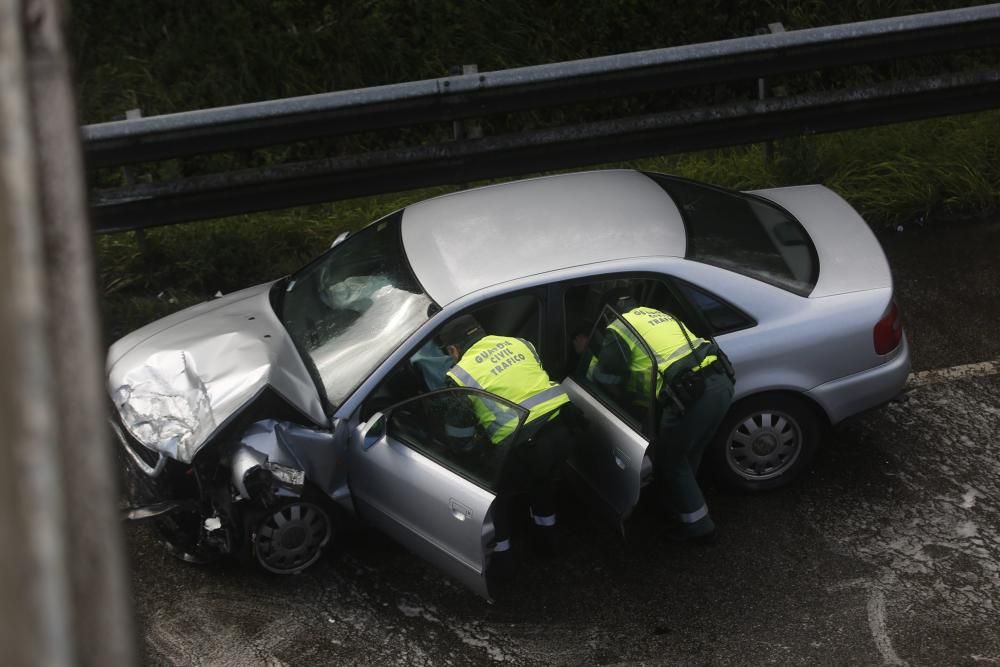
[177,380]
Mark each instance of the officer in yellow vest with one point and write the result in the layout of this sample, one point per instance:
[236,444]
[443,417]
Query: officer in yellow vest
[693,389]
[510,368]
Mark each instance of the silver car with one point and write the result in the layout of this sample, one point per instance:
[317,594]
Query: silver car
[252,422]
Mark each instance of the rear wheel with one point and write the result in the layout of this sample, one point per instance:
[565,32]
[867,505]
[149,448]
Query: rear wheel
[766,441]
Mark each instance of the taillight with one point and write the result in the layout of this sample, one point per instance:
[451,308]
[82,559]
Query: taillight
[889,330]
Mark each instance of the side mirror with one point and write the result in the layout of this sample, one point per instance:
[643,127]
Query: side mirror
[372,431]
[340,239]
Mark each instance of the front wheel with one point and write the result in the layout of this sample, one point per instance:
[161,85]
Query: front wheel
[766,441]
[291,537]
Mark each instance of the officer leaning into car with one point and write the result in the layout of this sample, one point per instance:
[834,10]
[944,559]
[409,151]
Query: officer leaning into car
[694,389]
[510,368]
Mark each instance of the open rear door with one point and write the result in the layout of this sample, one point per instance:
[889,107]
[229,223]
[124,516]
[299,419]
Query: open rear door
[611,459]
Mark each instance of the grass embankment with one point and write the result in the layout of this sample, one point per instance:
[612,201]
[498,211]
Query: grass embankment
[935,170]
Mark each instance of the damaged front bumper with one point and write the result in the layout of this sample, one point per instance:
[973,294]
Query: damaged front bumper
[159,509]
[245,495]
[138,453]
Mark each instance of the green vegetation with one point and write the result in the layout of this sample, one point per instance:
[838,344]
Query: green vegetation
[941,169]
[186,55]
[191,54]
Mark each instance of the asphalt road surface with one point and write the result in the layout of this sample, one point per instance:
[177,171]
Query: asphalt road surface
[886,553]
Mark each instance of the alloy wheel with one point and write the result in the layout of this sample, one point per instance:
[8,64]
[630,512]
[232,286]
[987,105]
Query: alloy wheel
[764,445]
[292,537]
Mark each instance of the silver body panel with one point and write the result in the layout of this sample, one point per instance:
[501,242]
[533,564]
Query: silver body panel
[802,343]
[177,380]
[463,242]
[438,515]
[312,451]
[861,391]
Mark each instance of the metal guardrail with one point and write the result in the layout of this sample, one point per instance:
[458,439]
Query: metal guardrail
[481,94]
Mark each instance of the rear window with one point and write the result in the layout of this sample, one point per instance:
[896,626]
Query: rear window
[745,234]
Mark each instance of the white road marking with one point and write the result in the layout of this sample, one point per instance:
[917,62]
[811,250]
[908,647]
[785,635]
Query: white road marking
[876,621]
[876,617]
[935,529]
[851,583]
[924,378]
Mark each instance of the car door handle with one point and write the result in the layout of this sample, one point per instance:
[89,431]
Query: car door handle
[459,511]
[620,459]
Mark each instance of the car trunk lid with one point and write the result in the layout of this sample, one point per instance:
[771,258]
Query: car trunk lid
[850,257]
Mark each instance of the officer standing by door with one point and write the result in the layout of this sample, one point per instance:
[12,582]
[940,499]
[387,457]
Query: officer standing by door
[693,390]
[510,368]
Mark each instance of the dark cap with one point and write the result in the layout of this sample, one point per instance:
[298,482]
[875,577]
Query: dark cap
[621,299]
[461,331]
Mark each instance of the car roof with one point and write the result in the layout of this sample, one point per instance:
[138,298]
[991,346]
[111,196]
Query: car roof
[466,241]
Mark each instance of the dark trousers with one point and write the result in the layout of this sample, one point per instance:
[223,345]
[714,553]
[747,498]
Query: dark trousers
[682,441]
[532,469]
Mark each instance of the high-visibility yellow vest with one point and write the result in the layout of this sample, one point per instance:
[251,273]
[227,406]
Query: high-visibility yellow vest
[509,368]
[665,335]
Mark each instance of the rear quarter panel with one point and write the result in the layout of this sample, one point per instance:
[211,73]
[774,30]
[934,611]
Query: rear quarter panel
[798,342]
[822,340]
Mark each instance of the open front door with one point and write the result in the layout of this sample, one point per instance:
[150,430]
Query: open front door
[431,485]
[619,408]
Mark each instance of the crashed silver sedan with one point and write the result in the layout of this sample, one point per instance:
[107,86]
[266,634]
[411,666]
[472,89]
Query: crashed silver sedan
[251,423]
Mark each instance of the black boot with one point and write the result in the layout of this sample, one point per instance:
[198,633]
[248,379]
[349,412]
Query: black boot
[544,540]
[501,567]
[676,533]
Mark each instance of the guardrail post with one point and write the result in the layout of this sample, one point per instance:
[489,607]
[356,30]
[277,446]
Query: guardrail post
[763,89]
[62,576]
[471,128]
[466,128]
[128,171]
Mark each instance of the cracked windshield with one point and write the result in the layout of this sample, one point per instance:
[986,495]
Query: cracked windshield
[353,306]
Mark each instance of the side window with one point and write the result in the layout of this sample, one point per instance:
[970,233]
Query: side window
[584,302]
[446,427]
[600,346]
[424,371]
[617,366]
[721,316]
[516,316]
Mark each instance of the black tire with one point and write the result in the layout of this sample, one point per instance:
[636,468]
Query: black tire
[290,537]
[766,441]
